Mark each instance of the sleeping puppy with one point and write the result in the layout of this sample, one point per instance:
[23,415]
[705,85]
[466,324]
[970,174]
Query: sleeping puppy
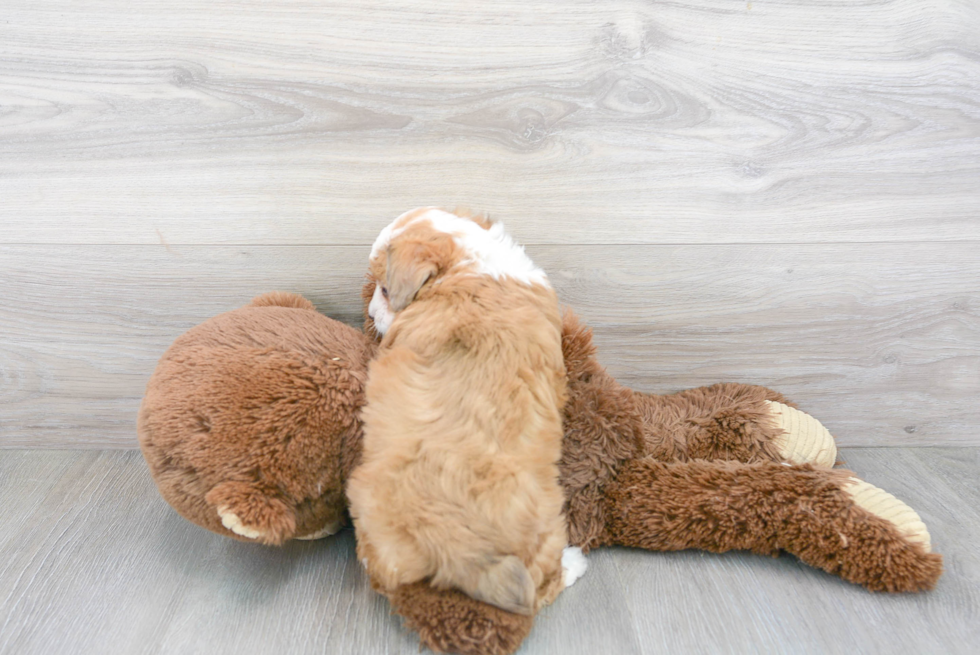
[462,428]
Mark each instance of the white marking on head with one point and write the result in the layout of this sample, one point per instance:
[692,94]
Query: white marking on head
[493,251]
[389,233]
[379,311]
[499,256]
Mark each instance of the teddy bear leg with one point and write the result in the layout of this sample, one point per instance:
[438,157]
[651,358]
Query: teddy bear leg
[876,541]
[827,518]
[732,421]
[449,621]
[250,511]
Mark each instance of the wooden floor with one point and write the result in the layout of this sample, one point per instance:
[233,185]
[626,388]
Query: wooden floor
[785,194]
[92,561]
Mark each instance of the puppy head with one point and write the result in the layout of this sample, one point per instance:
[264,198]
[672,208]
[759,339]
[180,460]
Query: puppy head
[409,256]
[424,245]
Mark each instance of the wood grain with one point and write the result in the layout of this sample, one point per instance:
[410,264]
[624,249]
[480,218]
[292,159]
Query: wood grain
[777,193]
[93,561]
[881,342]
[295,122]
[103,565]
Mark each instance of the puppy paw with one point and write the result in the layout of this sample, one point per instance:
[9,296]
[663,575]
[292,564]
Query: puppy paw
[231,521]
[884,505]
[573,564]
[804,439]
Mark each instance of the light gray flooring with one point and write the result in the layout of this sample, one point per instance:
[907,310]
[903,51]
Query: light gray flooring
[93,561]
[780,193]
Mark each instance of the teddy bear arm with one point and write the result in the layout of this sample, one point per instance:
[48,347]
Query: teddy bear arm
[732,421]
[253,511]
[827,518]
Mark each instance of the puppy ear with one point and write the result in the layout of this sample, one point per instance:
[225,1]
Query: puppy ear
[409,267]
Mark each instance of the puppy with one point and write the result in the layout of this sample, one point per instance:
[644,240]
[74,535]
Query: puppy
[462,428]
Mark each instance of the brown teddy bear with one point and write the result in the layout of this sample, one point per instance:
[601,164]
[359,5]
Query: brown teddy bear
[250,428]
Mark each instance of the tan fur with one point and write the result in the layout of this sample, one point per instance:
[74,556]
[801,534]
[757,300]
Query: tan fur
[462,431]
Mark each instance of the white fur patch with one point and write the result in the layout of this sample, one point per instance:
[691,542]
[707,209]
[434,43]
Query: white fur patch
[231,521]
[493,251]
[385,237]
[574,564]
[379,311]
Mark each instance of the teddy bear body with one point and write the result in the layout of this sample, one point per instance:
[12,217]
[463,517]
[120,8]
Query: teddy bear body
[250,426]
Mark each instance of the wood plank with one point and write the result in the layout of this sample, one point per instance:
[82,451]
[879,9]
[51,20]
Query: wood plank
[96,560]
[696,121]
[92,560]
[103,562]
[881,342]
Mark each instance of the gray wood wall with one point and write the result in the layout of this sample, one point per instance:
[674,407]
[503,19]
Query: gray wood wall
[779,193]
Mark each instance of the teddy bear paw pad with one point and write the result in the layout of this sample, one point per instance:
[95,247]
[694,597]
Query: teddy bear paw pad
[231,521]
[325,531]
[884,505]
[804,440]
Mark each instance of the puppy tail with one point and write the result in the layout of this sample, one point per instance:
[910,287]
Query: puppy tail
[506,584]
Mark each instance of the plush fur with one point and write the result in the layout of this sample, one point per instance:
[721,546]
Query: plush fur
[690,470]
[659,506]
[256,412]
[462,427]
